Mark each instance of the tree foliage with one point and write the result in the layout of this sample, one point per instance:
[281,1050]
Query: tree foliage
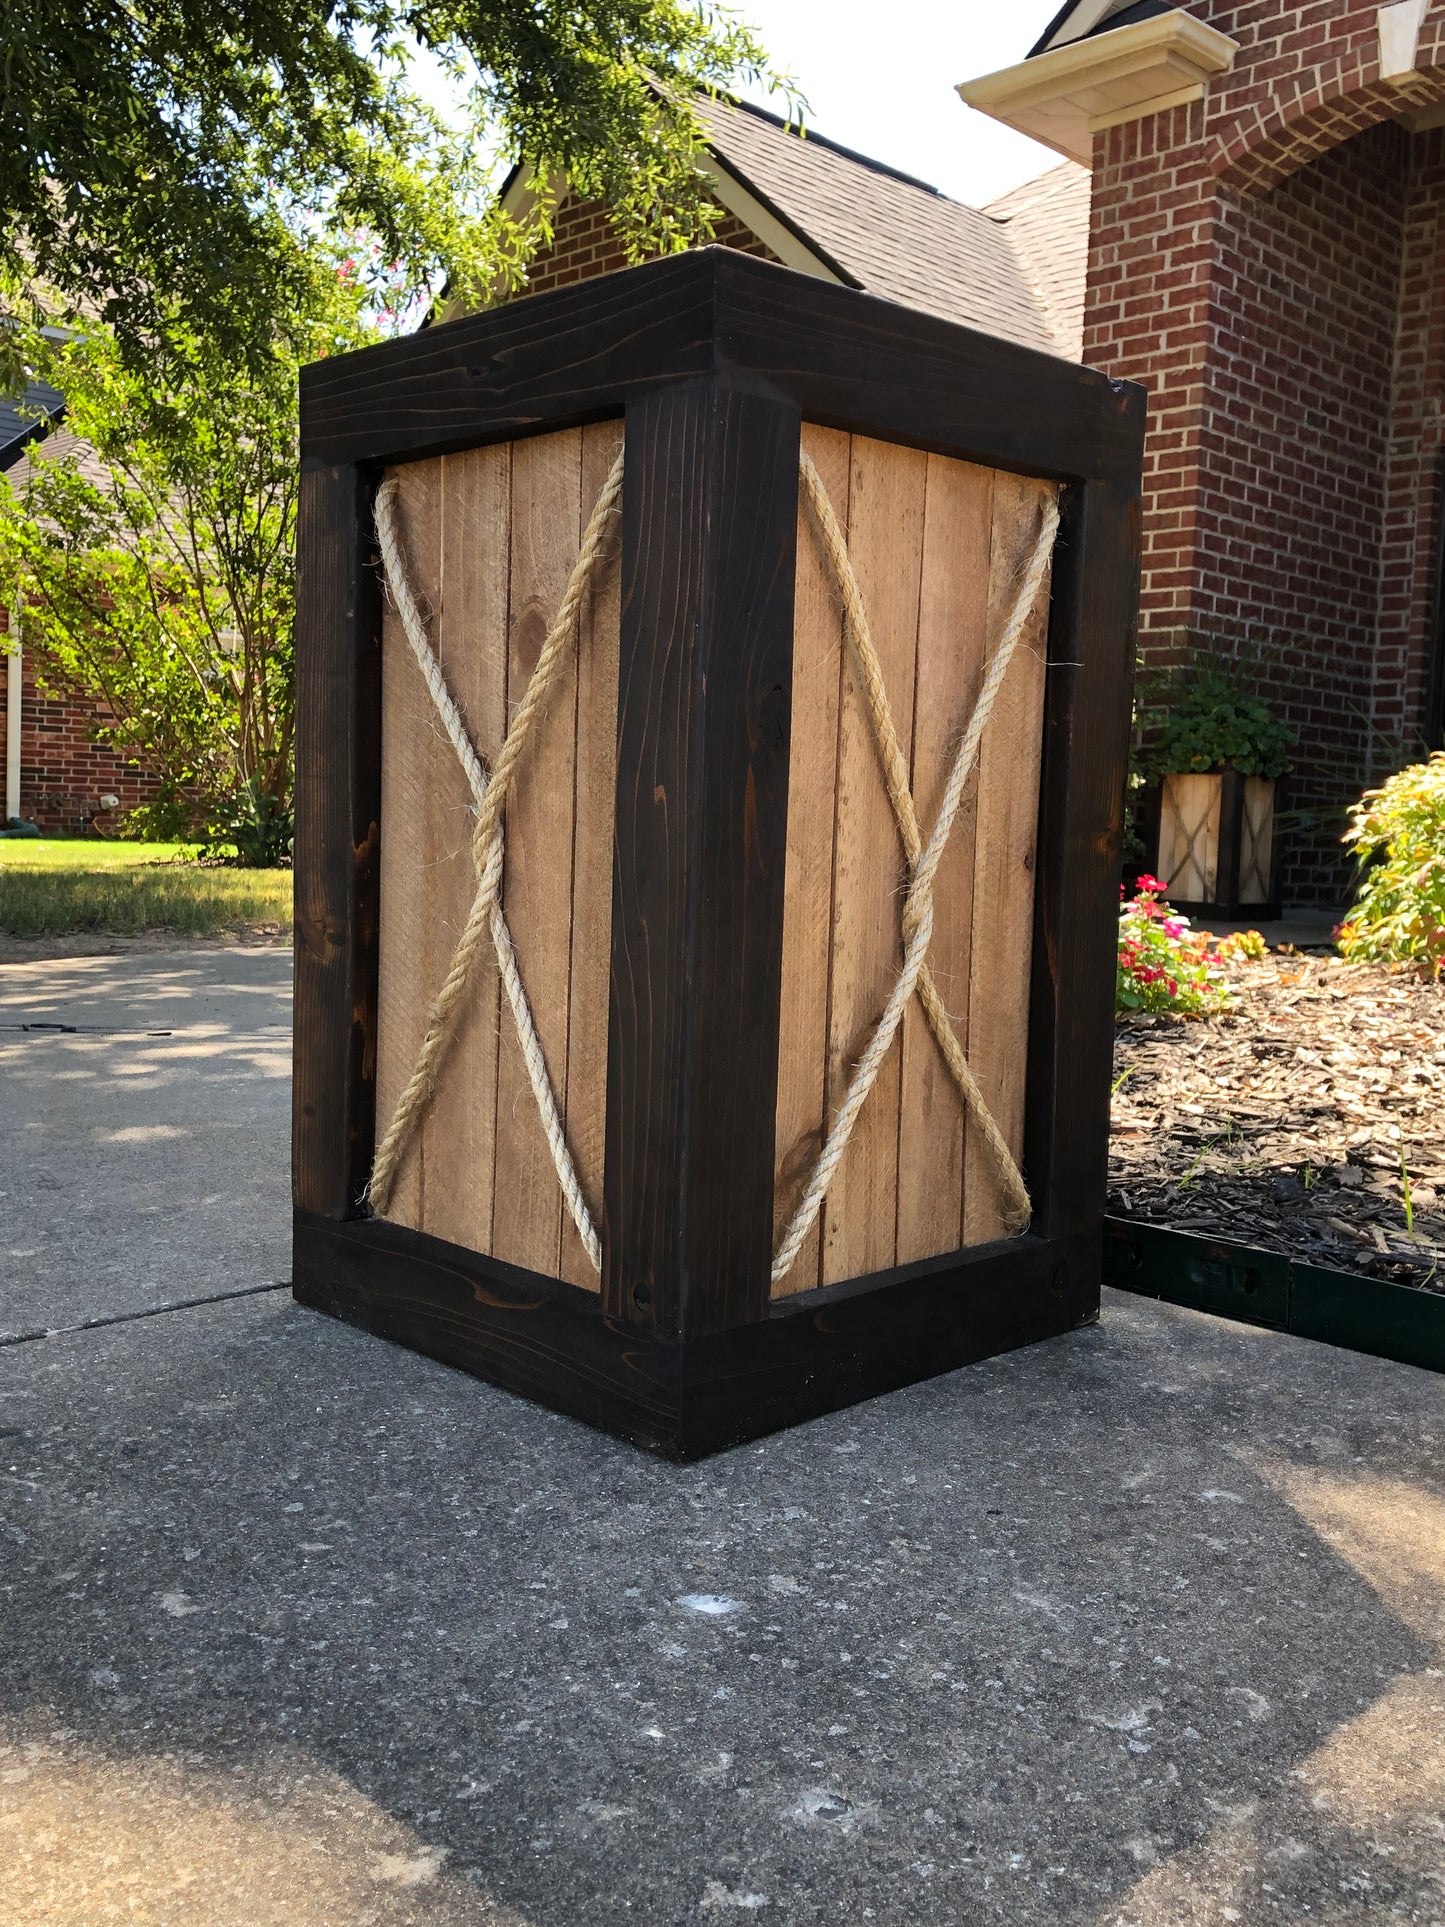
[152,547]
[178,159]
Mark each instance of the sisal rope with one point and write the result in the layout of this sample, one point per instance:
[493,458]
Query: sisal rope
[923,861]
[486,916]
[490,794]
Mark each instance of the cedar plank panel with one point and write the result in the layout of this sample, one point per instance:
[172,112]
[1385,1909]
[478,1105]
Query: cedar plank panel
[885,539]
[818,650]
[595,804]
[537,890]
[471,639]
[1005,848]
[952,641]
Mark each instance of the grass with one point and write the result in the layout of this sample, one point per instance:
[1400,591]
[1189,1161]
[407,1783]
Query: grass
[53,887]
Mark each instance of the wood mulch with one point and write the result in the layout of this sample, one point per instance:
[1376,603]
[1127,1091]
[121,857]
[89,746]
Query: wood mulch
[1282,1125]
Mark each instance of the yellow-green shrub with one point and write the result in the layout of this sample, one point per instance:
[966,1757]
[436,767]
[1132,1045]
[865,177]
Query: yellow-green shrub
[1398,834]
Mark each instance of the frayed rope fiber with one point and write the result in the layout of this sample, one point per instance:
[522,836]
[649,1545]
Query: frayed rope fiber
[489,791]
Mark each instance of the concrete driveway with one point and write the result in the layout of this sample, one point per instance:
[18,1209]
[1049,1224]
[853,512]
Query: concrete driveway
[1145,1625]
[144,1117]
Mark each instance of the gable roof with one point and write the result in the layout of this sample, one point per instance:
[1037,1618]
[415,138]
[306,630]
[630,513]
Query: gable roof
[29,417]
[58,445]
[26,418]
[879,229]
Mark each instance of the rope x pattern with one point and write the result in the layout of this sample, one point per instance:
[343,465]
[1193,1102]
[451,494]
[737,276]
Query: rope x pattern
[923,861]
[486,918]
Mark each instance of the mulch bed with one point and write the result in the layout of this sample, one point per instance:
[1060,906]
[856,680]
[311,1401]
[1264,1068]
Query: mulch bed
[1281,1125]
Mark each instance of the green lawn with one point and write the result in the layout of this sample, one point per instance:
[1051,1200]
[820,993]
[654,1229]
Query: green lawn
[52,887]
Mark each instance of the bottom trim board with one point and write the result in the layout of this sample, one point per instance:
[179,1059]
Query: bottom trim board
[1341,1308]
[815,1353]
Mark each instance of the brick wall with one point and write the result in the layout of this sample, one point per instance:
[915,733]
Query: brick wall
[1266,263]
[585,243]
[63,772]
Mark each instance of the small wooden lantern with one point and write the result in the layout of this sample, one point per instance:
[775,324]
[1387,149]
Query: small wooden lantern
[705,874]
[1215,844]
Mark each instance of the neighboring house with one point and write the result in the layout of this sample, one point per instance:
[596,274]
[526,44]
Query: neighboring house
[1266,257]
[1015,269]
[56,774]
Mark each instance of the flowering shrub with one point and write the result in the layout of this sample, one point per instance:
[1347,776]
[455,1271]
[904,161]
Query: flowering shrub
[1242,946]
[1398,833]
[1163,964]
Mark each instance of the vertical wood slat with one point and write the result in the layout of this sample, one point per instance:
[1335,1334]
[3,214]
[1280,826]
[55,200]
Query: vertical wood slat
[338,811]
[459,1127]
[1257,839]
[1005,853]
[953,632]
[537,891]
[594,804]
[885,541]
[707,614]
[407,977]
[818,650]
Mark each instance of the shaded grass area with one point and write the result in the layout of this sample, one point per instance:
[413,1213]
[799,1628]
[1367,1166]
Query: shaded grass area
[60,887]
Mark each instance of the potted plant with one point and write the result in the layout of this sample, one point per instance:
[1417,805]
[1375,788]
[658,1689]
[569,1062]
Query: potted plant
[1213,755]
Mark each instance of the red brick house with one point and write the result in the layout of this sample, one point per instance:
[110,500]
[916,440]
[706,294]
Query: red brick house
[1265,255]
[56,773]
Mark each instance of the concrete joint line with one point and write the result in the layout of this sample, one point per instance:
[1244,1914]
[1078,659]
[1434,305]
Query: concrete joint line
[130,1317]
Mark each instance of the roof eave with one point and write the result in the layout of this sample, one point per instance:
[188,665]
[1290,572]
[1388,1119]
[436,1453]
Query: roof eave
[1065,96]
[758,212]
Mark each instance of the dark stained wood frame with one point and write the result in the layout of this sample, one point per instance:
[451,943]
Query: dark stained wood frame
[714,360]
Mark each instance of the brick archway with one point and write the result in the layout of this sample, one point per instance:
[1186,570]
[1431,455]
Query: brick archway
[1259,153]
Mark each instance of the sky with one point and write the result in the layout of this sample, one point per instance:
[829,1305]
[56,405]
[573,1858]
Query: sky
[881,79]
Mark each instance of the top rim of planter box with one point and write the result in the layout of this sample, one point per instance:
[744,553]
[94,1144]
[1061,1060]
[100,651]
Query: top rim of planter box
[847,360]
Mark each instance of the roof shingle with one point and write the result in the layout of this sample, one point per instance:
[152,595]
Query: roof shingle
[1047,223]
[890,234]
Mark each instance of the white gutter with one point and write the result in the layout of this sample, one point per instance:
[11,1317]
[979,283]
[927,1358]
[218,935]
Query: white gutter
[13,666]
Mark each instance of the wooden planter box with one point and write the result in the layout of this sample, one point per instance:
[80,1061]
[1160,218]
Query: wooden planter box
[703,878]
[1214,843]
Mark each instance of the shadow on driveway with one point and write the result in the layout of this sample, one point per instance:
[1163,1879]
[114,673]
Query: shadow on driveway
[1142,1625]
